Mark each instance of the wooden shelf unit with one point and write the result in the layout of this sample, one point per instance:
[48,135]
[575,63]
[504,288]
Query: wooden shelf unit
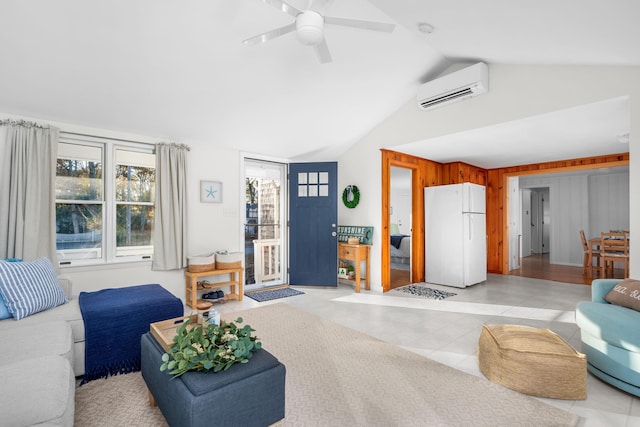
[357,253]
[234,283]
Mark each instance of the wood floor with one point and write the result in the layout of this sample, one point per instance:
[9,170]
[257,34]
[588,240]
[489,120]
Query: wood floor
[535,266]
[538,266]
[399,278]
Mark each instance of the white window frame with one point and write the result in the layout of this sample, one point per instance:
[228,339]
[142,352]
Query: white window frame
[108,246]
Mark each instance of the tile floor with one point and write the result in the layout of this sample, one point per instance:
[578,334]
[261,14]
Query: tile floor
[448,330]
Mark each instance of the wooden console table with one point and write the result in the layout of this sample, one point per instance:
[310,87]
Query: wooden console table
[357,253]
[191,284]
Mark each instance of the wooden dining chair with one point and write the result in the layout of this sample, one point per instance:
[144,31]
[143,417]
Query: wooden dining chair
[589,255]
[614,247]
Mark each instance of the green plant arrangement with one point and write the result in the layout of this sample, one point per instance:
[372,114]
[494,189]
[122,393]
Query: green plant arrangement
[214,348]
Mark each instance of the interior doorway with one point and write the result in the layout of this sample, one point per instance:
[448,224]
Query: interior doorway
[265,213]
[417,168]
[400,229]
[550,207]
[540,221]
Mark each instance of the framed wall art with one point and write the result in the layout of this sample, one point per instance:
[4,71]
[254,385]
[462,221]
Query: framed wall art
[210,192]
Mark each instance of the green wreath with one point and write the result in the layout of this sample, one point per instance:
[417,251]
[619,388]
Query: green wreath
[351,196]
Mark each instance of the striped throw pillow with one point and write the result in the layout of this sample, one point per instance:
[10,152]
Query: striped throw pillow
[30,287]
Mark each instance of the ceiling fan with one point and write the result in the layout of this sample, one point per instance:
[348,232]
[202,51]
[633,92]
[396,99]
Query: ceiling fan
[309,26]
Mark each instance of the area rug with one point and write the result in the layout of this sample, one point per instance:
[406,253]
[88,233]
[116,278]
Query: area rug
[269,295]
[338,376]
[120,400]
[424,291]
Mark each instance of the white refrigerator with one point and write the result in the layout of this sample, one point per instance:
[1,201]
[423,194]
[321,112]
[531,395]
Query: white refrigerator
[455,234]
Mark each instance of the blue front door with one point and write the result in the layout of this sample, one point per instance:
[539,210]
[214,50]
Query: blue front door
[313,219]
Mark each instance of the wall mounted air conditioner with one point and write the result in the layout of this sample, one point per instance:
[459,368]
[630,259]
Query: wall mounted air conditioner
[465,83]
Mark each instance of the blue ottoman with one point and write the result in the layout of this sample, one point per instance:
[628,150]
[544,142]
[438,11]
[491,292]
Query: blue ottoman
[250,394]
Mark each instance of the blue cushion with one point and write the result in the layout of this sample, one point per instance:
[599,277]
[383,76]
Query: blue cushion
[30,287]
[4,311]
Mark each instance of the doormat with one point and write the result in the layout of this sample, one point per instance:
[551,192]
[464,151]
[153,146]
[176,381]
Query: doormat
[262,296]
[421,290]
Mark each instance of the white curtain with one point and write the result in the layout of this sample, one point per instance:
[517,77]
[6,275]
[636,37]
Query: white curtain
[170,227]
[27,190]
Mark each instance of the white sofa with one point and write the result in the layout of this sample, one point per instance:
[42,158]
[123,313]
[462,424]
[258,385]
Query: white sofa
[41,356]
[69,312]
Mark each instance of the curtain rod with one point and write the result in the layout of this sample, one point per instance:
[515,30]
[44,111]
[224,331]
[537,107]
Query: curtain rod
[122,140]
[24,123]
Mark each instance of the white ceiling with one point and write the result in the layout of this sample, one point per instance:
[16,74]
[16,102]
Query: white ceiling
[178,70]
[590,130]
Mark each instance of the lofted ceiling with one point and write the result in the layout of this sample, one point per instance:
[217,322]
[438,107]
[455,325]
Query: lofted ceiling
[179,71]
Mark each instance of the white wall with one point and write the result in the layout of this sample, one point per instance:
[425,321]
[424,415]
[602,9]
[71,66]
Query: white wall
[516,92]
[592,203]
[608,203]
[362,168]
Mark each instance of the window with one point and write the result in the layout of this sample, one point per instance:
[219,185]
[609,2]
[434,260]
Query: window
[105,193]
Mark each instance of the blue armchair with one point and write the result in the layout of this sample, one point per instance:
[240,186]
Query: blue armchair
[610,338]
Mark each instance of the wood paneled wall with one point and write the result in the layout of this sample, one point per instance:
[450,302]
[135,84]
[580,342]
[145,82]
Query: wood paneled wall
[459,172]
[424,173]
[427,173]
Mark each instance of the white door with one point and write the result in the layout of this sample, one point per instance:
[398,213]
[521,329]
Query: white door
[265,243]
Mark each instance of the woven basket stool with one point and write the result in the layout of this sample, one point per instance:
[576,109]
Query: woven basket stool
[532,361]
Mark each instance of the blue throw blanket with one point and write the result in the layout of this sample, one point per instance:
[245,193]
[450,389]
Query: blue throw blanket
[396,239]
[114,321]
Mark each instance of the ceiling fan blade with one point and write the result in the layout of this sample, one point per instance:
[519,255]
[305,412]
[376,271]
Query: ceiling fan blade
[357,23]
[265,37]
[319,6]
[322,51]
[285,7]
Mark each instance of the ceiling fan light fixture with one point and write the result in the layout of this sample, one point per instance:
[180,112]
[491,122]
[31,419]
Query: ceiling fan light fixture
[309,28]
